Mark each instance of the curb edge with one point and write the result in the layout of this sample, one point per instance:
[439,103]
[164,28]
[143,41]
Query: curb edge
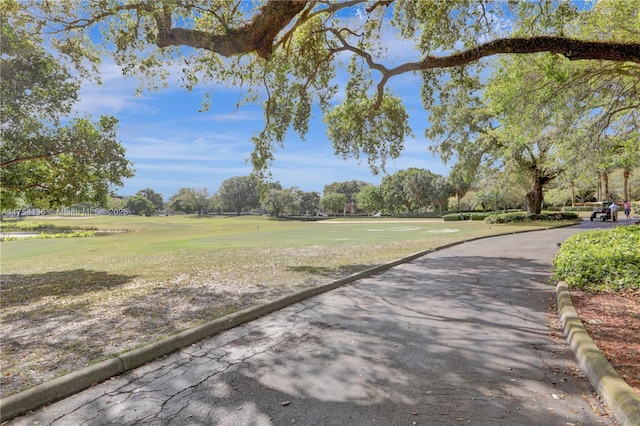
[616,393]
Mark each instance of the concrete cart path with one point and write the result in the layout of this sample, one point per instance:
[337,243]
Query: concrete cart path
[459,336]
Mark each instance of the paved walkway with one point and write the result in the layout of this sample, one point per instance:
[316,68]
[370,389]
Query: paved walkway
[459,336]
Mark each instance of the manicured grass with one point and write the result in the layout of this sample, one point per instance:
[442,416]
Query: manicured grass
[68,302]
[156,238]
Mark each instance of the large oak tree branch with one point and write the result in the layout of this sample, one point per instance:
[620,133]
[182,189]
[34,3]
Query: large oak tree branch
[18,160]
[571,48]
[257,36]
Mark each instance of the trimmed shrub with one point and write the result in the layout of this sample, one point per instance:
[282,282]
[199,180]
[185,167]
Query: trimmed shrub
[577,209]
[453,217]
[524,217]
[506,218]
[44,236]
[481,215]
[467,216]
[25,226]
[430,215]
[562,216]
[600,260]
[509,217]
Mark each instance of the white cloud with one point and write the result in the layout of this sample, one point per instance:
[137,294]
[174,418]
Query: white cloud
[237,115]
[115,95]
[202,149]
[168,178]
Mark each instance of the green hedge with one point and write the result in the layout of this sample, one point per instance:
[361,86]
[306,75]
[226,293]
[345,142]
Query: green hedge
[600,260]
[25,226]
[428,215]
[467,216]
[555,216]
[524,217]
[577,209]
[41,236]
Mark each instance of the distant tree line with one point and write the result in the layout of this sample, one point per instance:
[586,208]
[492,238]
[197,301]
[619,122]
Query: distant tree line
[412,191]
[406,191]
[409,192]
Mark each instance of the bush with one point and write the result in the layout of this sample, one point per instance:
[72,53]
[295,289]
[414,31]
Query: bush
[524,217]
[25,226]
[577,208]
[506,218]
[467,216]
[430,215]
[554,216]
[563,216]
[452,217]
[481,215]
[600,260]
[41,236]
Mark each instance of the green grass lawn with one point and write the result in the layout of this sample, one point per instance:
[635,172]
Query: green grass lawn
[249,249]
[158,240]
[71,301]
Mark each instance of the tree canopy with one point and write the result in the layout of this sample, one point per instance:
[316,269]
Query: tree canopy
[349,188]
[334,202]
[287,54]
[240,193]
[153,196]
[540,116]
[140,205]
[414,189]
[191,200]
[42,161]
[309,202]
[278,201]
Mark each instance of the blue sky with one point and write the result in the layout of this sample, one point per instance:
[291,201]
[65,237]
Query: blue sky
[174,146]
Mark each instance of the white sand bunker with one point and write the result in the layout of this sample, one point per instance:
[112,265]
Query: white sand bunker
[414,229]
[444,231]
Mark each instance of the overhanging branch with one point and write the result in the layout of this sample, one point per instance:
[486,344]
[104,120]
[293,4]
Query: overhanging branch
[257,36]
[570,48]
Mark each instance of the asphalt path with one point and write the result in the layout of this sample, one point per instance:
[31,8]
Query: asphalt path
[459,336]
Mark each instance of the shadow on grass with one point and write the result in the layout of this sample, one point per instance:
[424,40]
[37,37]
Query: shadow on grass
[22,288]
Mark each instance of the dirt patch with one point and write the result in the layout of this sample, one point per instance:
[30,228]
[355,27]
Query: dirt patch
[613,322]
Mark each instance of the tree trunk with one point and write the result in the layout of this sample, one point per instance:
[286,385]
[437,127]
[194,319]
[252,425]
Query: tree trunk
[605,178]
[599,196]
[534,197]
[626,173]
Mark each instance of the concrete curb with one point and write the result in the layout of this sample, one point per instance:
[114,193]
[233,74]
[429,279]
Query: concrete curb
[62,387]
[616,393]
